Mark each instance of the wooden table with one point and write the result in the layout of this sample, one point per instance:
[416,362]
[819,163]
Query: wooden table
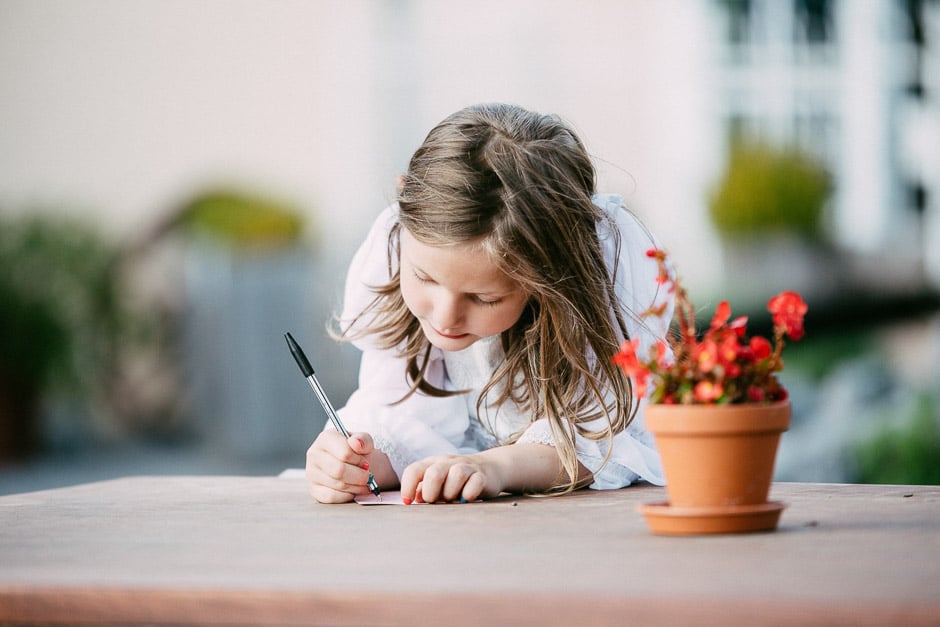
[214,550]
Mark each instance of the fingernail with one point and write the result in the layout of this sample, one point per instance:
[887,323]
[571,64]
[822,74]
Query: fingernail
[359,443]
[365,466]
[463,500]
[406,500]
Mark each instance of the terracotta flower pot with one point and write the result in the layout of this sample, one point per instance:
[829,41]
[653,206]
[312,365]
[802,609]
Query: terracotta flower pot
[716,455]
[719,464]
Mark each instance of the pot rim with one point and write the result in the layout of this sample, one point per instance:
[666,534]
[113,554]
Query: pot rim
[718,419]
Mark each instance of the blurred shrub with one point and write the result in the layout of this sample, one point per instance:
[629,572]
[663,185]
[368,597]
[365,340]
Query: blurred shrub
[61,315]
[242,219]
[61,310]
[909,455]
[770,189]
[818,355]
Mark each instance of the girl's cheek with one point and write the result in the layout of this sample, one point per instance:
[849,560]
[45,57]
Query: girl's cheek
[412,298]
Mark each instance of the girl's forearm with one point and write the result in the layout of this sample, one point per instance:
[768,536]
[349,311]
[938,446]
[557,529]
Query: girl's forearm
[529,467]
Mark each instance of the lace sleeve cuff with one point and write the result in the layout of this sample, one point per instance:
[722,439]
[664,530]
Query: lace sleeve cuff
[397,456]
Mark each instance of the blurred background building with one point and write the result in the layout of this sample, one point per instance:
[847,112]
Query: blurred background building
[222,160]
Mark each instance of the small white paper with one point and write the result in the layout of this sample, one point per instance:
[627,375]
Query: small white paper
[386,498]
[393,498]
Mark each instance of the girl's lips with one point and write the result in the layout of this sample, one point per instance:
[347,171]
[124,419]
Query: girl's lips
[451,337]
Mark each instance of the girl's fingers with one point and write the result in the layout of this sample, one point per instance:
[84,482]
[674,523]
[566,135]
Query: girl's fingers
[456,481]
[474,487]
[432,483]
[355,450]
[361,443]
[333,467]
[442,478]
[325,495]
[337,469]
[351,481]
[411,478]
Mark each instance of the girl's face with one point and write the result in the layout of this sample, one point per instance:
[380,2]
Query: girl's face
[457,293]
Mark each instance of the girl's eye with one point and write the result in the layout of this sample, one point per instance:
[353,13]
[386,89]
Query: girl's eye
[478,300]
[487,303]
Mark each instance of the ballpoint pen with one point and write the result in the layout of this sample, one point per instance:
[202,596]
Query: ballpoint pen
[308,373]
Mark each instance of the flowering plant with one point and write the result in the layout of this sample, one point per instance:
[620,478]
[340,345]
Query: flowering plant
[724,365]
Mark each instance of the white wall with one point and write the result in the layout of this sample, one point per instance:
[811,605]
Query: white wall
[121,108]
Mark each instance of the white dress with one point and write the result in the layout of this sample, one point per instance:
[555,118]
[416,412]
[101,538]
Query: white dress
[422,425]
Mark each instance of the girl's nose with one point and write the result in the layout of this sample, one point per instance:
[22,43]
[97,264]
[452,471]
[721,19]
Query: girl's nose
[447,313]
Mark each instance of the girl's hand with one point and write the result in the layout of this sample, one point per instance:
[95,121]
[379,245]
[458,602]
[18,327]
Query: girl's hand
[450,478]
[513,468]
[338,468]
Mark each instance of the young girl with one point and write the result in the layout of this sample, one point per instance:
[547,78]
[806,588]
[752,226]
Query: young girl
[487,303]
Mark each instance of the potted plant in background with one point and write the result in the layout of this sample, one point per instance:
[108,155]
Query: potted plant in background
[768,206]
[250,274]
[717,411]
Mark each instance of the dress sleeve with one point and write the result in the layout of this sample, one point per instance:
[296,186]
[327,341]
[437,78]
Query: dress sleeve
[632,452]
[420,425]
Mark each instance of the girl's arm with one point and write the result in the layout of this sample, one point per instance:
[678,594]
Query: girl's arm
[515,468]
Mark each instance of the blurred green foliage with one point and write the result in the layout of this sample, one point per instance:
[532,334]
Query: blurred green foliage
[904,455]
[60,310]
[816,356]
[63,320]
[770,189]
[242,219]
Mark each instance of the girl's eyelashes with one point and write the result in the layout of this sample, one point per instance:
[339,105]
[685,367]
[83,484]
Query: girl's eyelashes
[422,279]
[477,299]
[487,303]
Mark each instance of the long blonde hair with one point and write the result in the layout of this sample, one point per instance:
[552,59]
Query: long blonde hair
[522,183]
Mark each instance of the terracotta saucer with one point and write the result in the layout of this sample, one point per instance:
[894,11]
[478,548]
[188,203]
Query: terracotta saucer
[663,519]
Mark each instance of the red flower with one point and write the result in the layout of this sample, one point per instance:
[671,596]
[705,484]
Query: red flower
[728,350]
[739,326]
[761,348]
[788,309]
[755,394]
[706,355]
[707,392]
[628,361]
[723,365]
[722,315]
[662,352]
